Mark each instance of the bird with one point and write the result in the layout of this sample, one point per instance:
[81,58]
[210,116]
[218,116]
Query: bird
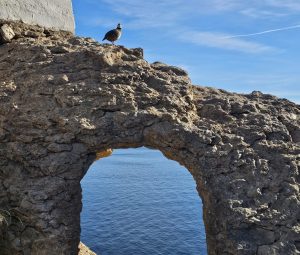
[113,35]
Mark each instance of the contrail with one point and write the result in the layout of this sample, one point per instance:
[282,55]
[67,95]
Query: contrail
[264,32]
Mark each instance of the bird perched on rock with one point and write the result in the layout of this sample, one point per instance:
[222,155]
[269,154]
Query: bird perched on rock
[113,35]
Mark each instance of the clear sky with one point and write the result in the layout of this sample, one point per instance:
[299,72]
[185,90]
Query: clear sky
[236,45]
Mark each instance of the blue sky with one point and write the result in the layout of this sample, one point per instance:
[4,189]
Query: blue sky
[214,40]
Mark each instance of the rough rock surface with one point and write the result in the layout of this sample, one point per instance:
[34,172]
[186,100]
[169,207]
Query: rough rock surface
[64,98]
[47,13]
[83,250]
[6,33]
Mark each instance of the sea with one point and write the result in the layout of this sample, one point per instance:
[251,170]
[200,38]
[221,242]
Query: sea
[137,202]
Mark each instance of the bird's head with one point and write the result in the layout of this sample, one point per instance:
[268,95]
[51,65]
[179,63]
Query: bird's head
[119,26]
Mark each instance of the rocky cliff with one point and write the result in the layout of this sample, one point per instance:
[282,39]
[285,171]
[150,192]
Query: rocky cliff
[64,98]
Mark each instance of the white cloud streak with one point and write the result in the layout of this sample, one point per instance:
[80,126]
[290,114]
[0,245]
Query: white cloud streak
[254,13]
[223,41]
[264,32]
[181,7]
[292,5]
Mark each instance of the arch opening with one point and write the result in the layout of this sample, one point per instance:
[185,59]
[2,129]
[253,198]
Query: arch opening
[138,202]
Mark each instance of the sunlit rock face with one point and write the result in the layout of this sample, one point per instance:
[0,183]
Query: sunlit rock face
[83,250]
[65,98]
[103,154]
[56,14]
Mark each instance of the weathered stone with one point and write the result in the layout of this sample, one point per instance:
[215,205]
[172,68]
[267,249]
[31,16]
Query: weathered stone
[172,69]
[56,14]
[6,33]
[55,147]
[84,250]
[63,99]
[267,250]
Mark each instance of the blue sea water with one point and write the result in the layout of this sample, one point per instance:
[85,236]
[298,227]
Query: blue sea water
[137,202]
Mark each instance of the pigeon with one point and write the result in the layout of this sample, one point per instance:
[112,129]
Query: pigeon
[113,35]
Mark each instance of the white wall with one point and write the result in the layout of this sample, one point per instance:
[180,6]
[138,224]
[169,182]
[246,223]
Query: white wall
[47,13]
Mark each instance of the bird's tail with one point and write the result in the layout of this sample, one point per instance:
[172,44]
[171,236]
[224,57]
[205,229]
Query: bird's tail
[104,38]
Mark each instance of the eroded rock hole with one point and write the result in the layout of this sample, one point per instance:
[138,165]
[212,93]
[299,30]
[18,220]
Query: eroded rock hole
[138,202]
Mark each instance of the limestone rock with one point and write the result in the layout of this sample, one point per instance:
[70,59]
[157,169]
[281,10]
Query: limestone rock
[6,33]
[103,154]
[57,14]
[65,98]
[84,250]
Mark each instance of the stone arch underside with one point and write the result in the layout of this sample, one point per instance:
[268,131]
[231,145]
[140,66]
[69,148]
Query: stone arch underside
[63,98]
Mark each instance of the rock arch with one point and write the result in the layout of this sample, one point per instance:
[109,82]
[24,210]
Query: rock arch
[160,201]
[63,98]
